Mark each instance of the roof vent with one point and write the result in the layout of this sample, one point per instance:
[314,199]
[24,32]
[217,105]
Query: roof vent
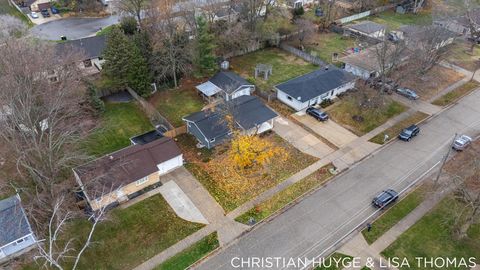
[299,98]
[326,68]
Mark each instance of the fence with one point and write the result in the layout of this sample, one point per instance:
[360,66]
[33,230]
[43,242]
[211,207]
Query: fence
[175,132]
[155,117]
[304,55]
[364,14]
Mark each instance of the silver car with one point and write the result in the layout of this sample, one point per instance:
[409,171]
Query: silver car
[461,142]
[409,93]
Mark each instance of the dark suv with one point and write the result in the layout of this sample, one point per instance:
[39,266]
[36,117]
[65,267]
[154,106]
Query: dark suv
[45,13]
[385,198]
[317,114]
[409,132]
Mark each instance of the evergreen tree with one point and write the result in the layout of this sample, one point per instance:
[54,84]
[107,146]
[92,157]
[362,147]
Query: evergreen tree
[125,64]
[205,60]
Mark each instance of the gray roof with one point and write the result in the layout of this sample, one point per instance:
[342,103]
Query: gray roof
[92,47]
[228,81]
[315,83]
[147,137]
[13,221]
[248,112]
[415,32]
[367,27]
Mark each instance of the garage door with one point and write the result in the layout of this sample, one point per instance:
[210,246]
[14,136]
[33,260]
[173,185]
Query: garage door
[170,165]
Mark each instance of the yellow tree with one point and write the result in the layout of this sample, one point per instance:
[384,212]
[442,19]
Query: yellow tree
[252,151]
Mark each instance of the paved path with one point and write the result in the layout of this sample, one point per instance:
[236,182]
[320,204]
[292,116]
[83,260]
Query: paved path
[419,105]
[316,224]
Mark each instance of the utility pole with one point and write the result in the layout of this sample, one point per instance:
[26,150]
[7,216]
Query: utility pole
[444,161]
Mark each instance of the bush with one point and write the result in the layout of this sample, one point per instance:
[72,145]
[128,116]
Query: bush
[128,25]
[326,102]
[298,11]
[95,102]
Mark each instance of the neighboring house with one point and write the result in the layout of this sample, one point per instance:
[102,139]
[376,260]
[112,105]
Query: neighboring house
[310,89]
[127,173]
[249,113]
[414,35]
[299,3]
[16,235]
[92,49]
[365,64]
[225,84]
[40,4]
[368,28]
[460,24]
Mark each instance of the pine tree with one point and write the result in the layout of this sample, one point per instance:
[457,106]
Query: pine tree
[125,64]
[205,60]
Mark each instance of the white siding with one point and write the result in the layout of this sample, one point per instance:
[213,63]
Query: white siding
[170,165]
[242,92]
[291,101]
[362,73]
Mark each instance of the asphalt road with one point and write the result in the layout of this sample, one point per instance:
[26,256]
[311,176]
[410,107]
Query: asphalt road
[72,28]
[317,223]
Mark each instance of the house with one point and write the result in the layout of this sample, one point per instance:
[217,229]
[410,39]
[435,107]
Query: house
[460,24]
[365,64]
[38,5]
[210,127]
[310,89]
[16,235]
[127,173]
[368,29]
[414,35]
[299,3]
[225,84]
[92,49]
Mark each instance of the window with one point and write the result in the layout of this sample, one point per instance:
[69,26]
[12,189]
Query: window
[19,241]
[289,98]
[141,181]
[87,63]
[212,140]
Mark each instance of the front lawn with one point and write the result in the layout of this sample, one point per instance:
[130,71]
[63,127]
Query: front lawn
[133,235]
[455,94]
[118,124]
[191,254]
[460,54]
[286,196]
[203,164]
[432,237]
[174,104]
[393,215]
[285,67]
[360,120]
[394,130]
[393,20]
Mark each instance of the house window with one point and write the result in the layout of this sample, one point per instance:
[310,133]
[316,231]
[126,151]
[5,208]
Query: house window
[141,181]
[87,63]
[19,241]
[289,98]
[212,140]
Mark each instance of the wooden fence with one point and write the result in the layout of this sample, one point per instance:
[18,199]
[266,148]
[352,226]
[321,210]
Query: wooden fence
[304,55]
[175,132]
[155,117]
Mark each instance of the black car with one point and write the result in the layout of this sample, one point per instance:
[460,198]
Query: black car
[317,114]
[385,198]
[45,13]
[409,132]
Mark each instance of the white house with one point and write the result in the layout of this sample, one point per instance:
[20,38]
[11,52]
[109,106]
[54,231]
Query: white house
[460,24]
[415,35]
[92,49]
[299,3]
[312,88]
[227,85]
[127,173]
[16,235]
[368,28]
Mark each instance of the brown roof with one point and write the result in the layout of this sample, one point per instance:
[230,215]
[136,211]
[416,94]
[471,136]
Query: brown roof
[44,6]
[125,166]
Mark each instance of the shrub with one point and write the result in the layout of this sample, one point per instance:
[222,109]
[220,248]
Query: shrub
[95,102]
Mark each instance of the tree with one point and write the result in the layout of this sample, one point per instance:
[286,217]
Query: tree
[11,27]
[125,63]
[205,59]
[230,37]
[251,151]
[128,25]
[133,7]
[429,48]
[305,29]
[329,12]
[389,56]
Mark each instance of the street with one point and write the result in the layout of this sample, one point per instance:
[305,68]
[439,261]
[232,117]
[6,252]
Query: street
[317,223]
[72,28]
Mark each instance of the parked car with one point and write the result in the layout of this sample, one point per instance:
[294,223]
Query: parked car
[409,93]
[461,142]
[317,114]
[388,86]
[34,15]
[54,10]
[45,13]
[393,37]
[408,133]
[385,198]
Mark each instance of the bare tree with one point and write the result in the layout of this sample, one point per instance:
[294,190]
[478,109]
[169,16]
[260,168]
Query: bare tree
[389,56]
[430,47]
[134,8]
[473,22]
[305,30]
[330,12]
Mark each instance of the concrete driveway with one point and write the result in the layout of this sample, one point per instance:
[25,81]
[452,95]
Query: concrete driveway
[331,131]
[300,138]
[72,28]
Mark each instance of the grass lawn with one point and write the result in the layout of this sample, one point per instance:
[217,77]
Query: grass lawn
[324,45]
[348,107]
[6,8]
[394,130]
[285,66]
[286,196]
[177,103]
[329,263]
[394,20]
[393,215]
[119,122]
[191,254]
[460,54]
[432,237]
[203,165]
[457,93]
[133,235]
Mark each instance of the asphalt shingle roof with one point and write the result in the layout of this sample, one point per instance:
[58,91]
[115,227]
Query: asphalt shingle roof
[228,81]
[13,222]
[367,27]
[92,47]
[315,83]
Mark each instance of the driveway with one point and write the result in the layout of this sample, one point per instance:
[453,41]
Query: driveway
[317,223]
[331,131]
[300,138]
[72,28]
